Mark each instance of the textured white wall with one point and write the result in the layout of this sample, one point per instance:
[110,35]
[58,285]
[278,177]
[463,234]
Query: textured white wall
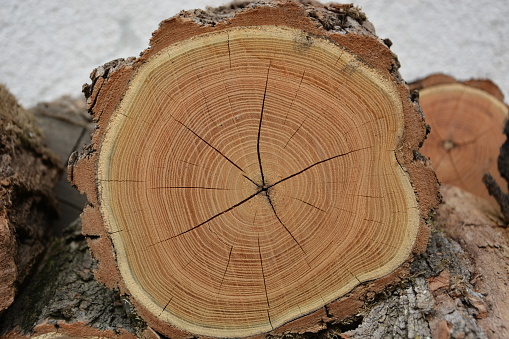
[48,48]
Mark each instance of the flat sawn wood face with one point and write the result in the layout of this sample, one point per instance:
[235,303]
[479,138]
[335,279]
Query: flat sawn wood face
[249,177]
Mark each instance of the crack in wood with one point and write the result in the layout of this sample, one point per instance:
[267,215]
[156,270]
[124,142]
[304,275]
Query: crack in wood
[136,119]
[192,187]
[295,132]
[353,275]
[286,228]
[225,270]
[208,144]
[264,283]
[317,163]
[310,204]
[368,196]
[339,58]
[195,165]
[260,126]
[165,306]
[229,51]
[293,100]
[202,139]
[173,290]
[263,189]
[209,219]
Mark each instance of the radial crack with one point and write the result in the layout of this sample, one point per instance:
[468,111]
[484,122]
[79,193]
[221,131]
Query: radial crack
[310,204]
[260,126]
[209,219]
[192,187]
[295,132]
[295,97]
[208,144]
[226,269]
[264,282]
[317,163]
[229,51]
[286,228]
[369,196]
[353,275]
[165,306]
[248,178]
[172,290]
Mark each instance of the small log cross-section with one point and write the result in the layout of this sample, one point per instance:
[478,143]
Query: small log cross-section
[466,119]
[252,168]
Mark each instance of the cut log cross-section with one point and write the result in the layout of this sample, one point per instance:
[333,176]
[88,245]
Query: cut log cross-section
[247,174]
[467,119]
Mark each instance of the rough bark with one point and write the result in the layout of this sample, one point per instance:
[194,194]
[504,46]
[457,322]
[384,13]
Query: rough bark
[478,228]
[341,39]
[28,175]
[64,298]
[457,288]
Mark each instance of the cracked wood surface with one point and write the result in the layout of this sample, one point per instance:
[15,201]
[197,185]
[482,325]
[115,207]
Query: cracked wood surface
[250,174]
[456,289]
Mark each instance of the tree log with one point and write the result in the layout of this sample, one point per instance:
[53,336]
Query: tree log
[456,289]
[28,175]
[466,119]
[64,299]
[255,170]
[477,227]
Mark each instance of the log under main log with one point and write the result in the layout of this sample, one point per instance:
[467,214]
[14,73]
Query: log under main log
[256,170]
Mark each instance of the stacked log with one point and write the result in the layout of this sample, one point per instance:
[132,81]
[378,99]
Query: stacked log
[28,175]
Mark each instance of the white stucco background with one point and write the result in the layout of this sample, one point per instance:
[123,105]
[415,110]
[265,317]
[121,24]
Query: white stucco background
[48,48]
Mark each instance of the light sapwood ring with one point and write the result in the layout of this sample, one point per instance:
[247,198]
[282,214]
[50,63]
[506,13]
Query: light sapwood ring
[366,138]
[249,176]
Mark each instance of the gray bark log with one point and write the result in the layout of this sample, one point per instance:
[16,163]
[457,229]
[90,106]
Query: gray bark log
[64,297]
[28,174]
